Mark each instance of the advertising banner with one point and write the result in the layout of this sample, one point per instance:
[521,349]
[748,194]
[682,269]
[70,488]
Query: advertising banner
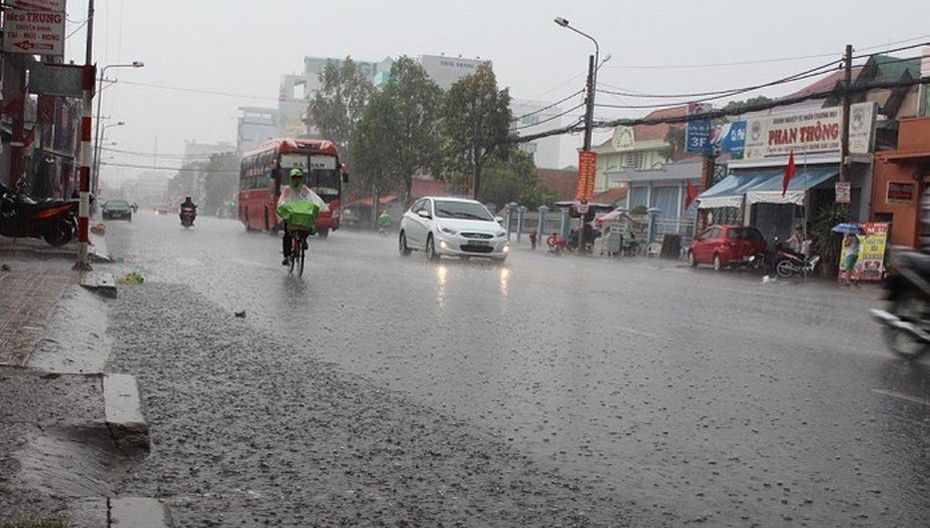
[698,132]
[587,171]
[729,138]
[872,243]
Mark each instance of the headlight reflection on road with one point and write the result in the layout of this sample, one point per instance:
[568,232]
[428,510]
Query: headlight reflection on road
[441,279]
[505,281]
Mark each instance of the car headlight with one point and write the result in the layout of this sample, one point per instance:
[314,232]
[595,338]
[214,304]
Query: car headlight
[446,230]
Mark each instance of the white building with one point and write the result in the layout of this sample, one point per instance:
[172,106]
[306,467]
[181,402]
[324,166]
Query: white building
[532,117]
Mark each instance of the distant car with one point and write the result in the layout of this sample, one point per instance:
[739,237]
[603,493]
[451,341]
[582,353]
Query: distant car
[726,245]
[117,210]
[162,209]
[452,226]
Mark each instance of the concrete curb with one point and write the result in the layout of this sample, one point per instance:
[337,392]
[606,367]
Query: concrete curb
[102,282]
[123,409]
[138,512]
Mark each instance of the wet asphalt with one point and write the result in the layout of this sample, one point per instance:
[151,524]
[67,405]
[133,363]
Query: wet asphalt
[552,391]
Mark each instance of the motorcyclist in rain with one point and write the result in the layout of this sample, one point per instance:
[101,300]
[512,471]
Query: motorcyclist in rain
[294,191]
[187,205]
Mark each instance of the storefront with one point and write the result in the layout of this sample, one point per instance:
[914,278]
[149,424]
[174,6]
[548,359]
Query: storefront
[900,179]
[753,191]
[663,190]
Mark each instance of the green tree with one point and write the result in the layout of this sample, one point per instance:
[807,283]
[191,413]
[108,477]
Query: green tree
[675,140]
[398,132]
[476,120]
[514,180]
[221,180]
[338,106]
[752,101]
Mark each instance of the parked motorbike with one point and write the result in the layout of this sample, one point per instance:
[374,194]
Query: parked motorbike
[188,214]
[907,320]
[21,216]
[790,264]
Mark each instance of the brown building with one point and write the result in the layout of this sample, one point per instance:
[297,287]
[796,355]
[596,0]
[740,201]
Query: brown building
[900,178]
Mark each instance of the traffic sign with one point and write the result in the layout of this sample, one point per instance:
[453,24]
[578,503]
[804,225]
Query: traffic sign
[34,32]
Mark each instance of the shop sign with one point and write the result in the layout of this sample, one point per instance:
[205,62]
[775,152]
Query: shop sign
[698,132]
[900,192]
[815,131]
[842,192]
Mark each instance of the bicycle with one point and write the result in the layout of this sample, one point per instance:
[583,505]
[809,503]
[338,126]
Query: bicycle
[298,249]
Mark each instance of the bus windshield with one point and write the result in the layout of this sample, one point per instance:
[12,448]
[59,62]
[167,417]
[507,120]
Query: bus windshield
[321,173]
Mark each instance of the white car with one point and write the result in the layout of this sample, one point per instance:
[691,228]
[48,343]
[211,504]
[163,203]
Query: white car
[452,226]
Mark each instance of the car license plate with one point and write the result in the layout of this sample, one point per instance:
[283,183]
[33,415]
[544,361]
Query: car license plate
[477,243]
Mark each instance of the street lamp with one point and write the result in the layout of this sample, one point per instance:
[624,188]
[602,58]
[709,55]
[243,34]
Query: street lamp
[584,161]
[592,82]
[101,137]
[133,64]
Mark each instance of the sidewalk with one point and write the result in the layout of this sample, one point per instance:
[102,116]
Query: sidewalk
[67,429]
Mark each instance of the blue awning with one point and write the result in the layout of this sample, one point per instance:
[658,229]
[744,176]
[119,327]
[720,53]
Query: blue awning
[764,186]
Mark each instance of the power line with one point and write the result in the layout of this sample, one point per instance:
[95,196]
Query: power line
[195,90]
[551,118]
[170,169]
[713,114]
[543,109]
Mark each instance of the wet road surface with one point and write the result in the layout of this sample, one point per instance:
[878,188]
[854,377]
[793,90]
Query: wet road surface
[600,391]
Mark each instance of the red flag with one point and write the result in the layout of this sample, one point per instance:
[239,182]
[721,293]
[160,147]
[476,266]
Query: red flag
[789,173]
[692,194]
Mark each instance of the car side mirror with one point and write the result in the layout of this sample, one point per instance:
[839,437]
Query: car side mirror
[499,219]
[423,213]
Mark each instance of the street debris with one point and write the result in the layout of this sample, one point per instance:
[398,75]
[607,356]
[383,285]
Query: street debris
[131,278]
[5,267]
[240,313]
[98,229]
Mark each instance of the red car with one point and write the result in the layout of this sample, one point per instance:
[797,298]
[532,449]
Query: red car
[726,245]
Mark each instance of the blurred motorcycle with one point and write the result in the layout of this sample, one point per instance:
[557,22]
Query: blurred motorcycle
[907,319]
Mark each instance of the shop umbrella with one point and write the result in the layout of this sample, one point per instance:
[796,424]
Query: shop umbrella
[848,229]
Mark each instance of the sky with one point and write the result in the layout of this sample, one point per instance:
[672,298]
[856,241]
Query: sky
[206,58]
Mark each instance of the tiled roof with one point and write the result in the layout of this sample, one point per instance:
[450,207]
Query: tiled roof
[610,196]
[420,188]
[562,182]
[650,132]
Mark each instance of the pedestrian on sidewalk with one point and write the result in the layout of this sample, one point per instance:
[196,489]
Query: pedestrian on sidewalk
[850,256]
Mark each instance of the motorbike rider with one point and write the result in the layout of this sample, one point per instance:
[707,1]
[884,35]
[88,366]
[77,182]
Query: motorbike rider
[296,190]
[188,204]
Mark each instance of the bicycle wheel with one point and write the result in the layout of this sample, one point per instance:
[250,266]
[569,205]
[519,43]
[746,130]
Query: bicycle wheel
[301,255]
[295,248]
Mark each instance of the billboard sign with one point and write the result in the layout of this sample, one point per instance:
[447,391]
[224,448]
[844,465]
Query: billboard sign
[816,131]
[34,32]
[698,132]
[729,138]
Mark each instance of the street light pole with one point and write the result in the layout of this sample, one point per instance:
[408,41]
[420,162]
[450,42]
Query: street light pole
[593,66]
[592,82]
[101,137]
[96,178]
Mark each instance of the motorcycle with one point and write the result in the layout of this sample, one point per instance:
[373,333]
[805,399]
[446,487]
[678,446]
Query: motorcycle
[907,320]
[21,216]
[188,214]
[790,264]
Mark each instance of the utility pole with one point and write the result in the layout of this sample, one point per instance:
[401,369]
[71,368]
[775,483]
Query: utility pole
[88,79]
[589,104]
[844,131]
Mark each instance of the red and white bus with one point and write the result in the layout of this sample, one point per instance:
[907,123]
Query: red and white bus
[264,170]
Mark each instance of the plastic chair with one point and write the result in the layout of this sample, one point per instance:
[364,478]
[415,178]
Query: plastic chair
[653,249]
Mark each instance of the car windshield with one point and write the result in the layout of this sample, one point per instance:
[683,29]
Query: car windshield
[462,210]
[116,204]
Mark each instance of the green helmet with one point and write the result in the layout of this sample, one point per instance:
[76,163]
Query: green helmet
[297,172]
